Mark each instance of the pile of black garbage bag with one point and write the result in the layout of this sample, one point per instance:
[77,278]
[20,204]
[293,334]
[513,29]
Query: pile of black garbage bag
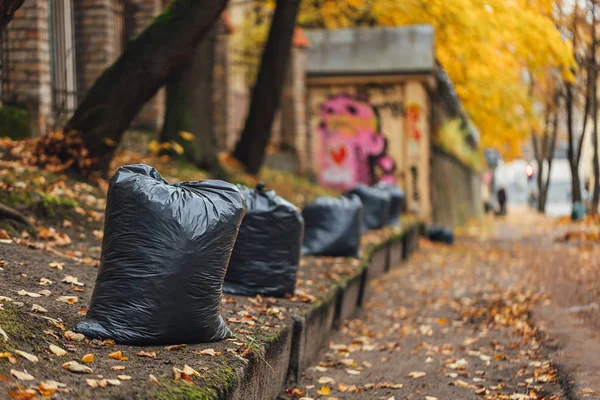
[439,233]
[267,251]
[169,250]
[164,256]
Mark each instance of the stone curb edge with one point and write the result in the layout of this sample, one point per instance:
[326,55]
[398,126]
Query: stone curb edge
[298,344]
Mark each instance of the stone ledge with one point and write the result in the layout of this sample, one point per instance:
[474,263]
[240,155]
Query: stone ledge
[298,344]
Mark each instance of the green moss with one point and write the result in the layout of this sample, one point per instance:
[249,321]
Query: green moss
[14,123]
[183,390]
[16,328]
[55,207]
[219,382]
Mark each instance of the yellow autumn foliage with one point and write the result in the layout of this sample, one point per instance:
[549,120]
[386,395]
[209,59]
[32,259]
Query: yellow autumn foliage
[486,47]
[452,138]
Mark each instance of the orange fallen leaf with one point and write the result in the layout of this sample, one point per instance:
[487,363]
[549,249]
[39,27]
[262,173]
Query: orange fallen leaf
[12,359]
[324,391]
[151,354]
[88,358]
[118,355]
[25,394]
[175,347]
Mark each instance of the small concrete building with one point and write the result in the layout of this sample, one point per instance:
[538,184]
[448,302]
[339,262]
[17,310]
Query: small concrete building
[376,99]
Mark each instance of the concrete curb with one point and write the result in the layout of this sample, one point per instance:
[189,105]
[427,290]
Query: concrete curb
[299,343]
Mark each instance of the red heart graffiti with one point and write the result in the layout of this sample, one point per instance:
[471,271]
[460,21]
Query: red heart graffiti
[338,156]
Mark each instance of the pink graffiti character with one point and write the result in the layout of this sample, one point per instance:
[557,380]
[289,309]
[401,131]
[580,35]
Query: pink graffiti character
[351,145]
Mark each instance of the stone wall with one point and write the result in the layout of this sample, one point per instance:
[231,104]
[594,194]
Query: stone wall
[27,63]
[397,110]
[455,190]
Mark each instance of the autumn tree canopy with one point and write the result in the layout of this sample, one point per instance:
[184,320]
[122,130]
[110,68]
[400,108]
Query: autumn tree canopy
[491,51]
[485,46]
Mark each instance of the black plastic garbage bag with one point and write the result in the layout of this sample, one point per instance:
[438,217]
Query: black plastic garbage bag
[267,251]
[333,226]
[397,203]
[164,256]
[376,203]
[438,233]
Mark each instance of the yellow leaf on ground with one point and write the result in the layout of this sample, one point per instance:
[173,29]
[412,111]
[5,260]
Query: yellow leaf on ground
[56,265]
[12,359]
[57,350]
[154,147]
[152,378]
[177,148]
[68,299]
[22,376]
[118,368]
[190,371]
[74,366]
[26,293]
[124,377]
[27,356]
[88,358]
[4,335]
[208,352]
[187,136]
[324,391]
[38,308]
[75,337]
[417,374]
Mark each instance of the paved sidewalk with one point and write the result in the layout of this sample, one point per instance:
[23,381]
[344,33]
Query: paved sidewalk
[462,322]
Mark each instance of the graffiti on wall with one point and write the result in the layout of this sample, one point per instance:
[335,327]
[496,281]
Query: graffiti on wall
[413,129]
[353,149]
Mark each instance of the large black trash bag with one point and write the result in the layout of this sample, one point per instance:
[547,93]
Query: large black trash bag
[398,201]
[333,226]
[376,203]
[438,233]
[267,251]
[164,256]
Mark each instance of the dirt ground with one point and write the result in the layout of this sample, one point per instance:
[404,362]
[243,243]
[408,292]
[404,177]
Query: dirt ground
[506,313]
[33,277]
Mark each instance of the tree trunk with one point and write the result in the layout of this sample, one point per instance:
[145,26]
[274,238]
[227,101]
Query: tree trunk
[550,157]
[250,149]
[573,158]
[147,63]
[190,106]
[7,11]
[594,69]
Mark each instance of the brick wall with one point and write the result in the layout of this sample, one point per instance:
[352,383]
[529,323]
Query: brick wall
[95,41]
[27,66]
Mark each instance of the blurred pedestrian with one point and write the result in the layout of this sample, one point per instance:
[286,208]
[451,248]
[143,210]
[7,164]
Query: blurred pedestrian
[502,199]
